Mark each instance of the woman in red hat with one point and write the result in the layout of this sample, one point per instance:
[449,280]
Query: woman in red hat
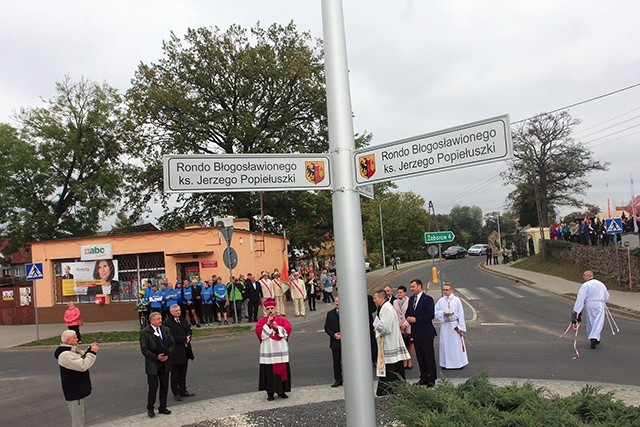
[273,332]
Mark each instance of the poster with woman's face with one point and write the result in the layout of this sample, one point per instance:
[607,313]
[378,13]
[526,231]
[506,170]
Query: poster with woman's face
[87,277]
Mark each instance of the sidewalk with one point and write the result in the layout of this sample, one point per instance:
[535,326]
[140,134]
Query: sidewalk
[626,301]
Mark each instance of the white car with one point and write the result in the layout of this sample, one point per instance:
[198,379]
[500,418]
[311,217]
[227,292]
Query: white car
[479,249]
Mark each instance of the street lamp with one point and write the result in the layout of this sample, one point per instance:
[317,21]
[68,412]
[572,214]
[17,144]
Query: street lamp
[499,235]
[384,259]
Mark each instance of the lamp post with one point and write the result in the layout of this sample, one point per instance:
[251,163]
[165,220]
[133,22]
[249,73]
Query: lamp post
[499,235]
[384,259]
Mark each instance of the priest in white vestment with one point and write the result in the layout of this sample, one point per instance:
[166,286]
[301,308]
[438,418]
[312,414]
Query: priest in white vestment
[450,312]
[593,297]
[393,350]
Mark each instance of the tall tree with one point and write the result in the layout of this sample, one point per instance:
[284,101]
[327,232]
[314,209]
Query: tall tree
[549,162]
[404,221]
[239,91]
[466,223]
[61,168]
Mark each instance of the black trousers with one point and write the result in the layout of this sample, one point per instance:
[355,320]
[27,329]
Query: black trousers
[312,302]
[179,379]
[337,364]
[252,310]
[426,359]
[162,379]
[76,328]
[207,310]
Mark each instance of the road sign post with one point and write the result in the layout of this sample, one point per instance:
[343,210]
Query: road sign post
[439,237]
[35,272]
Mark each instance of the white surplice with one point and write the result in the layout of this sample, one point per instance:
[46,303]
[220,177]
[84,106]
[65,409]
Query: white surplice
[453,351]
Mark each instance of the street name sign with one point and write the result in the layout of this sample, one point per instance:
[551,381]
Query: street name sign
[245,172]
[613,225]
[472,144]
[439,237]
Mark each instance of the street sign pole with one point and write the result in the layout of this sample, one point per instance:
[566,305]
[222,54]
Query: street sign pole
[347,225]
[35,306]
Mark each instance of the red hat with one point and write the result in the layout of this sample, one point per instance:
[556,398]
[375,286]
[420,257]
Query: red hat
[269,302]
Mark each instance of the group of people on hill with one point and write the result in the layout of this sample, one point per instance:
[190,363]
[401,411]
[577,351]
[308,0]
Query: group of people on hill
[589,231]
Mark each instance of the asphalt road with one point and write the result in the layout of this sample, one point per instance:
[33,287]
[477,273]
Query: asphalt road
[517,329]
[515,335]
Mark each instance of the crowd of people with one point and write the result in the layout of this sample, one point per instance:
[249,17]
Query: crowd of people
[401,329]
[589,231]
[205,302]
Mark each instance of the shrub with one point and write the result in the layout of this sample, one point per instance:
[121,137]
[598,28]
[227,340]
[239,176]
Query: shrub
[477,402]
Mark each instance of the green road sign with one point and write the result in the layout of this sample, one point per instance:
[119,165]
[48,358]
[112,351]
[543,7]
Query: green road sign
[439,237]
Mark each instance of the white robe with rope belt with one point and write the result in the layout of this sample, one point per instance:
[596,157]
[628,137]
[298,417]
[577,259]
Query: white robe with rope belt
[593,296]
[453,351]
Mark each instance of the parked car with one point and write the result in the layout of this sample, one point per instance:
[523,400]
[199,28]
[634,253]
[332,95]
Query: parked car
[455,252]
[479,249]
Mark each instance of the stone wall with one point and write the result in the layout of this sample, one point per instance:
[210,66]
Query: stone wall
[600,259]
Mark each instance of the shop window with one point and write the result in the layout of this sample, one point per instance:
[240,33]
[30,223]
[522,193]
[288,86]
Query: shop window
[131,270]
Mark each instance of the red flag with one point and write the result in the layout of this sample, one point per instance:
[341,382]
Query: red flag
[285,272]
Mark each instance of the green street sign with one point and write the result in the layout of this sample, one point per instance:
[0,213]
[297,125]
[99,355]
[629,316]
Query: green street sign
[439,237]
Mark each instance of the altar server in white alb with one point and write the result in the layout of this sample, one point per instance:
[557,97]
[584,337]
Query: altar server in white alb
[450,312]
[593,297]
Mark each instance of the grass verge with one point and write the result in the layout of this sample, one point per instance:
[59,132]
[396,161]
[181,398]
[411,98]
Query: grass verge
[133,336]
[551,267]
[477,402]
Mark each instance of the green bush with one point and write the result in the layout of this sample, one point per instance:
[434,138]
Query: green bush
[477,402]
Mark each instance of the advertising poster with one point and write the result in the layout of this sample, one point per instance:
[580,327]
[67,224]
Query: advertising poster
[7,295]
[25,297]
[89,277]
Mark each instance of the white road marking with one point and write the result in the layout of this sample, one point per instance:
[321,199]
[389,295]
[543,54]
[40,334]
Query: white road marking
[497,324]
[490,293]
[534,291]
[509,292]
[467,294]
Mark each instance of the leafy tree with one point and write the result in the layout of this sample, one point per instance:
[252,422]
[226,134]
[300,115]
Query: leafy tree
[507,224]
[549,161]
[61,167]
[466,223]
[404,222]
[239,91]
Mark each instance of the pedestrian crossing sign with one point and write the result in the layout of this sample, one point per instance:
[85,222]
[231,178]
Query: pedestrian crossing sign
[613,225]
[34,271]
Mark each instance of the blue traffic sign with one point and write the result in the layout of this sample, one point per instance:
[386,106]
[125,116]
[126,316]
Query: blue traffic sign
[34,271]
[613,225]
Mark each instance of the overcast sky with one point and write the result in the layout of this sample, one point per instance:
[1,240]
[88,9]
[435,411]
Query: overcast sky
[415,67]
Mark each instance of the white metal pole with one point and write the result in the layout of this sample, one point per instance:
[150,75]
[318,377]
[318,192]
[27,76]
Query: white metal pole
[347,226]
[384,258]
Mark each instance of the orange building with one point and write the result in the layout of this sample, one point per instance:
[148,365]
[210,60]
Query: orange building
[147,255]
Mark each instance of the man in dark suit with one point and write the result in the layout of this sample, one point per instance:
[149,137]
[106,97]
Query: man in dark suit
[156,344]
[332,328]
[179,358]
[253,295]
[420,313]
